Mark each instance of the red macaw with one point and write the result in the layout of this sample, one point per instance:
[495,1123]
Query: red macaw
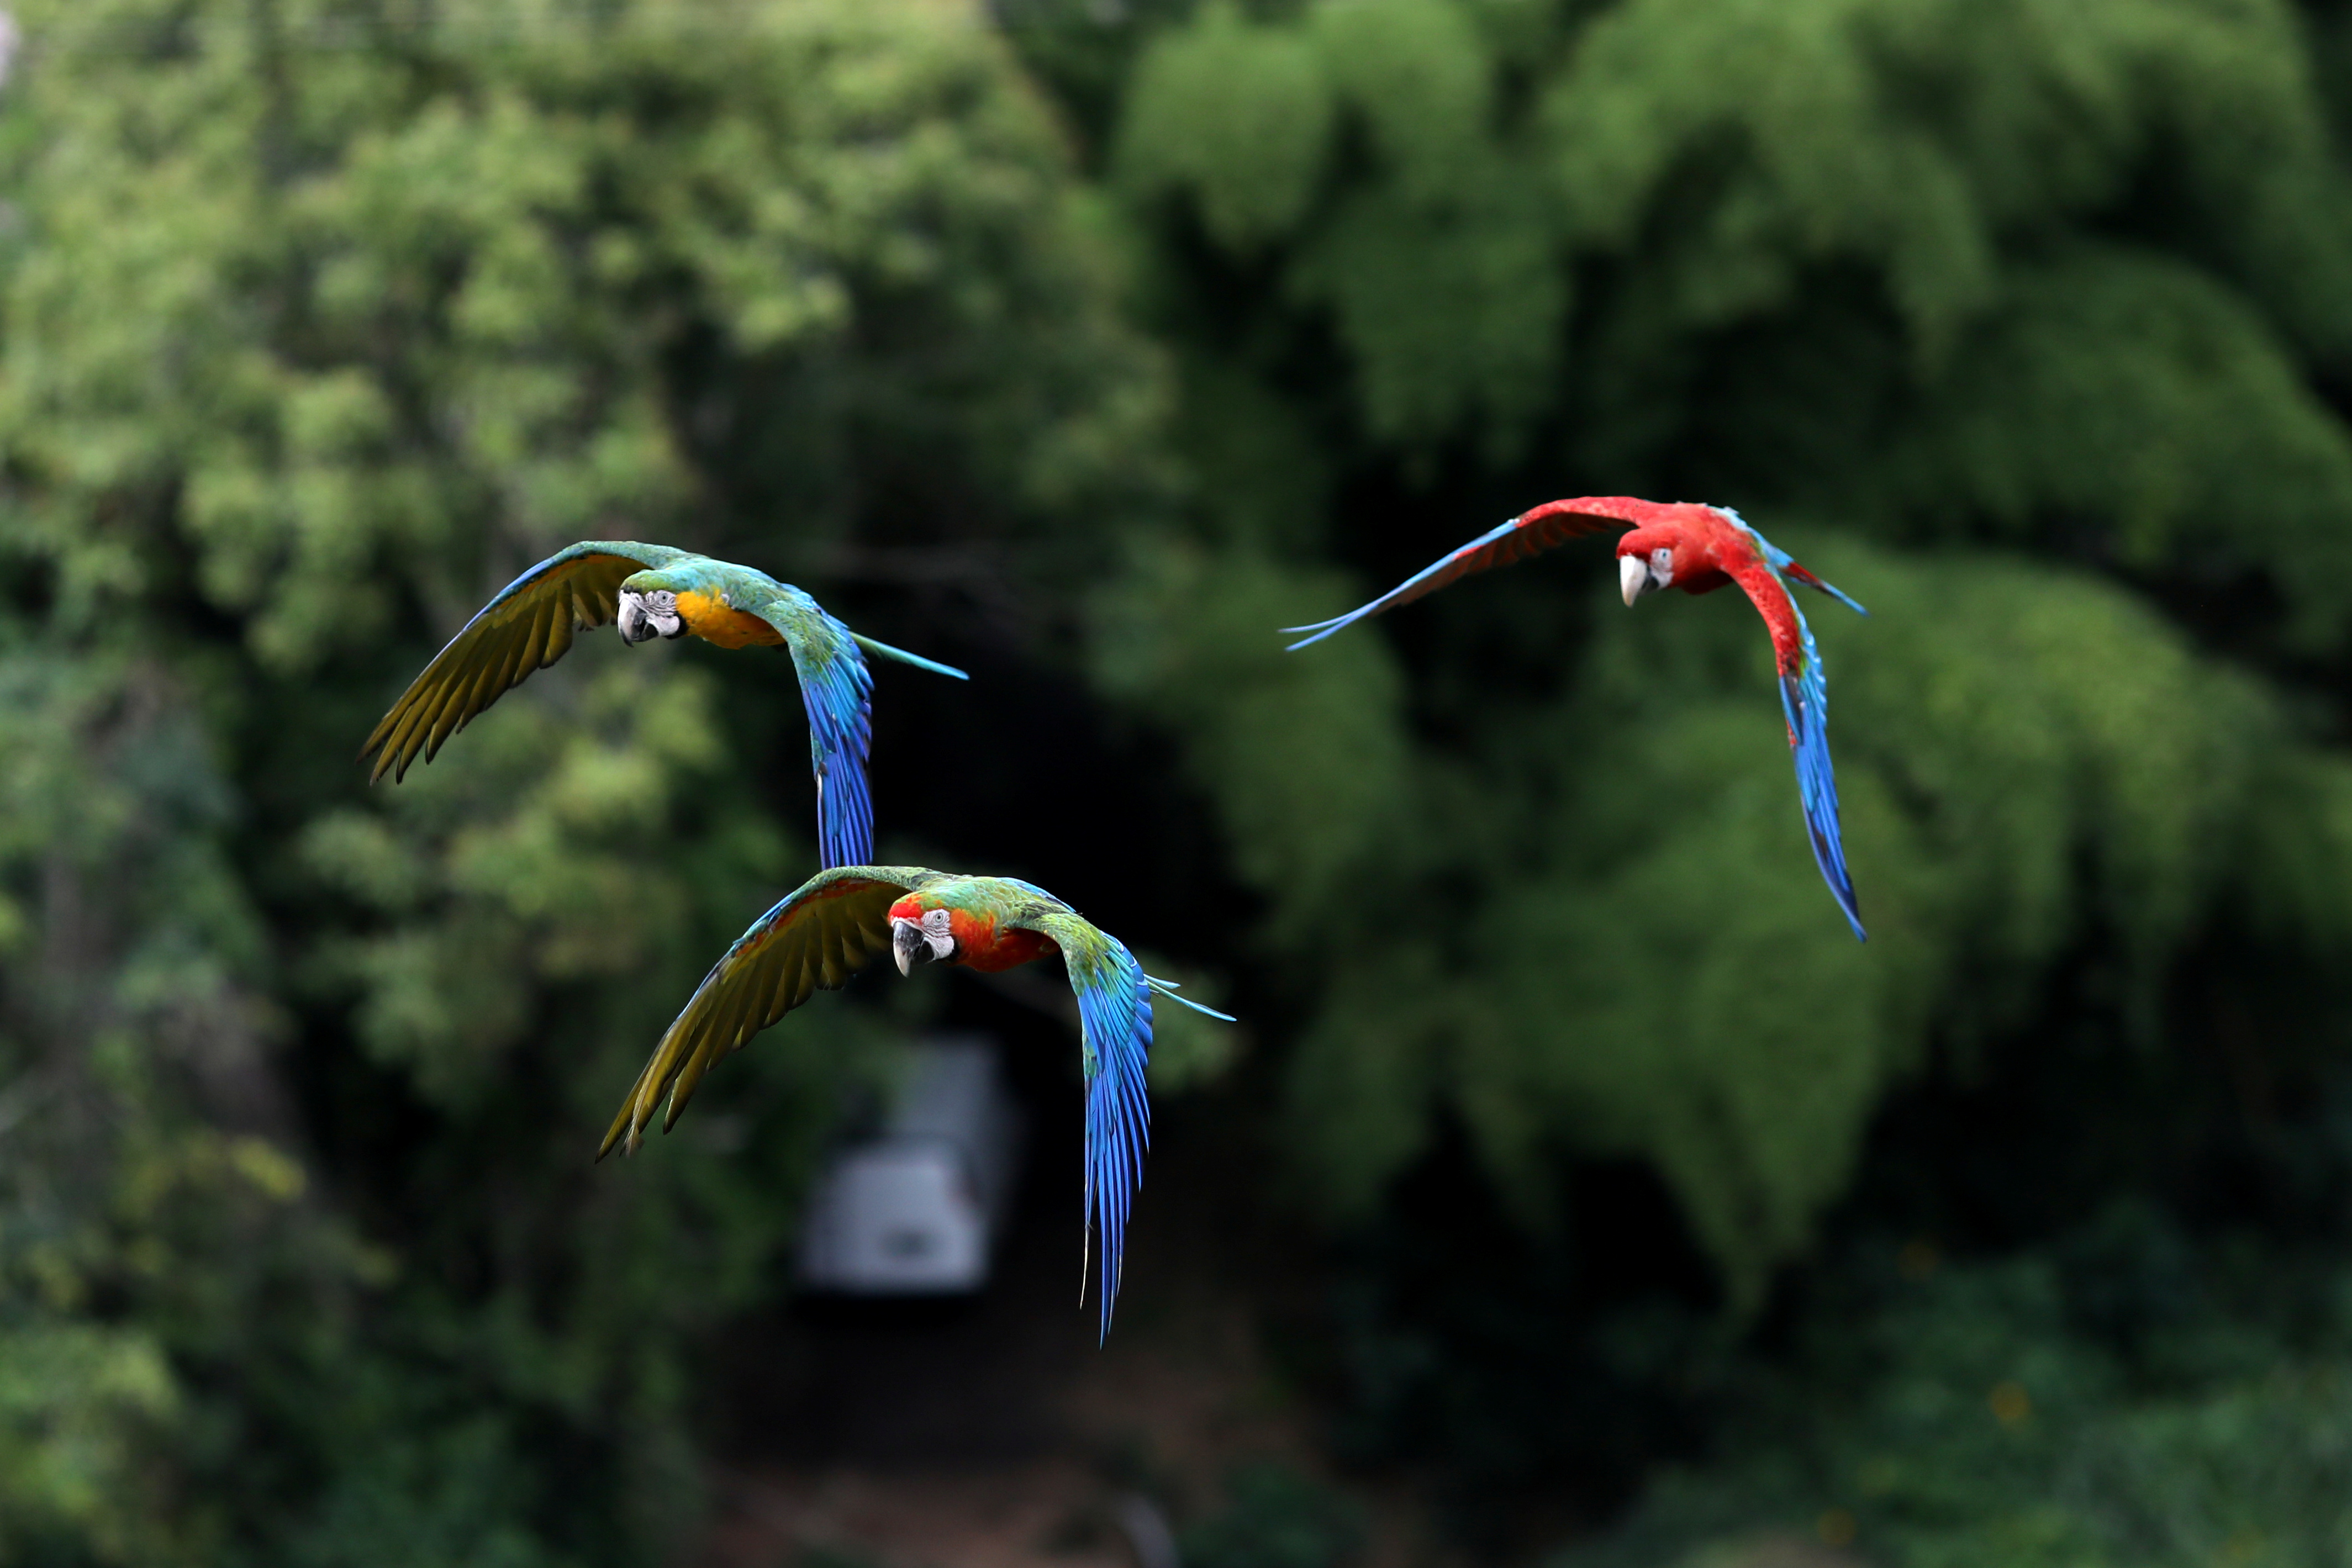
[1696,548]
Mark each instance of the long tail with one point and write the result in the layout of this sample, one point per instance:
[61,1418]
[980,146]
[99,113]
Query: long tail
[883,650]
[1169,987]
[1796,573]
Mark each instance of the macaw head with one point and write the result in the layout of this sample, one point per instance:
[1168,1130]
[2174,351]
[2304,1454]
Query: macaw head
[920,933]
[649,608]
[1645,562]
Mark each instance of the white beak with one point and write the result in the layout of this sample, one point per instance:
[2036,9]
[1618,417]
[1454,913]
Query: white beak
[906,944]
[1634,577]
[911,945]
[644,616]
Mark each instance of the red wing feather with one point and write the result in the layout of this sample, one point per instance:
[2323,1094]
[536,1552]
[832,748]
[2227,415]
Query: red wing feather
[1529,534]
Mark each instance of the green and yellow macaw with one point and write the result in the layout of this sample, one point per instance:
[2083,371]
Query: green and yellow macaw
[820,935]
[653,591]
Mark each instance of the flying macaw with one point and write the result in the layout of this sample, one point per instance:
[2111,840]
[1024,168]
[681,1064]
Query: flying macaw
[653,591]
[1696,548]
[824,932]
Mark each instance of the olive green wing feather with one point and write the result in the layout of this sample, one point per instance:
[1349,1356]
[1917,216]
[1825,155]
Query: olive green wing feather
[528,626]
[815,939]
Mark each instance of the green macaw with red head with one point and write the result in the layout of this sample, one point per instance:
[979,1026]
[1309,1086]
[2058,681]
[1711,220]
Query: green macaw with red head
[829,928]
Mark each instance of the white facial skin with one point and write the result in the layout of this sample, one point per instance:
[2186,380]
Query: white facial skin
[644,615]
[928,940]
[1637,576]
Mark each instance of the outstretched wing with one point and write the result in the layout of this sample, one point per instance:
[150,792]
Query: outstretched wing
[1805,702]
[837,691]
[1115,1018]
[1530,533]
[528,626]
[815,940]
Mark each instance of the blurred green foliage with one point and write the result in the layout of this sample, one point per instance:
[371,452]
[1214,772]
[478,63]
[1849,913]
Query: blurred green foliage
[2019,321]
[1949,279]
[2000,1412]
[318,321]
[1274,1518]
[1110,338]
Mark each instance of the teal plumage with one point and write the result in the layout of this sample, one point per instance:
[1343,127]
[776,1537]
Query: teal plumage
[830,927]
[655,590]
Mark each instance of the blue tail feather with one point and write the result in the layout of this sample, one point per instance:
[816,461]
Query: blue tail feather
[1786,565]
[884,651]
[1169,987]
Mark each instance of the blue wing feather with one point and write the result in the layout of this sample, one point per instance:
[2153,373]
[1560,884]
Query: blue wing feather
[841,735]
[1529,534]
[837,691]
[1805,702]
[1115,1011]
[1403,590]
[646,558]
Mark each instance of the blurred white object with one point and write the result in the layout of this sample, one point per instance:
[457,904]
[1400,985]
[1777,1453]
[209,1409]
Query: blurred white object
[1147,1531]
[9,38]
[914,1210]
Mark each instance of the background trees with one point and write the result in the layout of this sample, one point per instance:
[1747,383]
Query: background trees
[2030,315]
[1084,346]
[1972,286]
[322,321]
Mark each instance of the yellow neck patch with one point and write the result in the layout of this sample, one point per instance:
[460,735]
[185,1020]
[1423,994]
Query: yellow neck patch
[713,620]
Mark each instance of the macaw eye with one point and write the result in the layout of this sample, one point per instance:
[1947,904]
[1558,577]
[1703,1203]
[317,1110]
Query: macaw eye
[935,920]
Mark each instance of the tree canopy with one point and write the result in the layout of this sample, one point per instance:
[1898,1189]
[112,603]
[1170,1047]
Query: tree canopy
[320,321]
[2016,322]
[1087,345]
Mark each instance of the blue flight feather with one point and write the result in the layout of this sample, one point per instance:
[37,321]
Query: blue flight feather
[1805,701]
[647,558]
[1323,628]
[837,691]
[1115,1018]
[1115,1014]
